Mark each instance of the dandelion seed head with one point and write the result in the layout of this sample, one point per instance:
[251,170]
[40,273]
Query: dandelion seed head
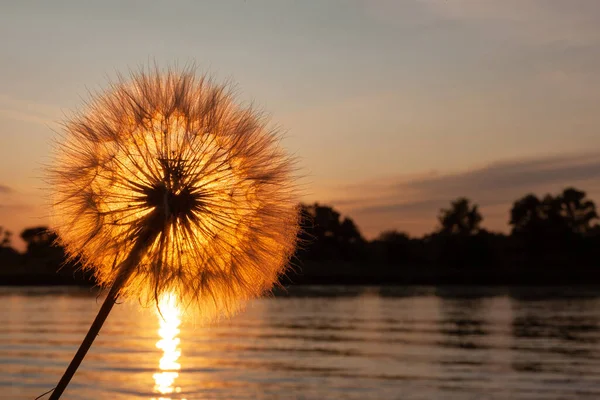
[173,154]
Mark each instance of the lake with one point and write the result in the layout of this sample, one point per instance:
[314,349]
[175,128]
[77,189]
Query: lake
[313,343]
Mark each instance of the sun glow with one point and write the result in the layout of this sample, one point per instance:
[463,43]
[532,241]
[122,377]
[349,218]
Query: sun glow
[169,319]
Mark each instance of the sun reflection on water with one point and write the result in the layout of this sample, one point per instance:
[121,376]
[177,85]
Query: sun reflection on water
[169,320]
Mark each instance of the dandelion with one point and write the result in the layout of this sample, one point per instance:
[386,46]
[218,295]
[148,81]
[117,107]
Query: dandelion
[165,186]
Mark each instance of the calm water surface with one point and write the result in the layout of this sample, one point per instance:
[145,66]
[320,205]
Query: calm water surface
[313,343]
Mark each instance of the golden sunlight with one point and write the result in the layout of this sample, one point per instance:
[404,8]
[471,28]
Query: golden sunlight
[169,320]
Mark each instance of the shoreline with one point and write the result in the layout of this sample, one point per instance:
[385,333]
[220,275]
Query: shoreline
[549,278]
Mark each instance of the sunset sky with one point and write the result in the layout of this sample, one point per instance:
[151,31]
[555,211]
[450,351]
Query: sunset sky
[393,107]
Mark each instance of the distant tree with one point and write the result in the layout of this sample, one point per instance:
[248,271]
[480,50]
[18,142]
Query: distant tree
[39,240]
[43,250]
[461,218]
[325,220]
[555,231]
[577,211]
[9,257]
[393,237]
[461,243]
[569,212]
[527,214]
[325,237]
[349,233]
[5,237]
[393,248]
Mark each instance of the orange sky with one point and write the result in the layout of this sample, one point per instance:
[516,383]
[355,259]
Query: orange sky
[393,107]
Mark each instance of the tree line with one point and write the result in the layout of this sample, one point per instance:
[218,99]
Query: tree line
[554,239]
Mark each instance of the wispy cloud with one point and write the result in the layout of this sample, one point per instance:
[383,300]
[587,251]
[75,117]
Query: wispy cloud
[28,111]
[512,175]
[5,189]
[412,203]
[539,22]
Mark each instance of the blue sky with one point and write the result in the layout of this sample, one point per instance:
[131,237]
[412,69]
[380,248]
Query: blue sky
[394,108]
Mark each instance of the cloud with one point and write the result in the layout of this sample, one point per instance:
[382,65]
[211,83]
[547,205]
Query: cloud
[28,111]
[412,203]
[5,189]
[536,22]
[413,206]
[511,175]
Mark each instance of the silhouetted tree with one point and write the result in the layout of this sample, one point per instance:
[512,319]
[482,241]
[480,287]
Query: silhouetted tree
[5,237]
[569,211]
[577,211]
[325,237]
[555,231]
[43,250]
[39,240]
[461,218]
[527,214]
[393,248]
[348,233]
[394,237]
[460,242]
[553,237]
[9,257]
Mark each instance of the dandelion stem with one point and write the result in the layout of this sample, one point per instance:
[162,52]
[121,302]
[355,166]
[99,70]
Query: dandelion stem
[125,271]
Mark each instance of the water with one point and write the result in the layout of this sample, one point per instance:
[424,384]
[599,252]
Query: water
[314,343]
